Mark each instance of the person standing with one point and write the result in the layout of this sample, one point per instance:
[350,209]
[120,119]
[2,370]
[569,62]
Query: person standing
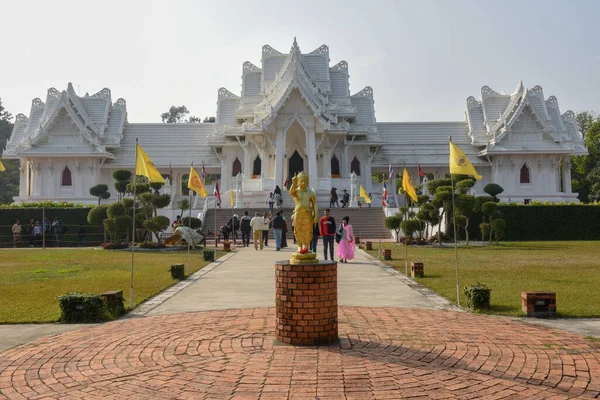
[31,233]
[58,230]
[257,229]
[278,225]
[278,199]
[315,238]
[234,225]
[333,198]
[17,229]
[81,235]
[246,229]
[266,226]
[327,230]
[37,233]
[284,232]
[271,201]
[47,230]
[346,246]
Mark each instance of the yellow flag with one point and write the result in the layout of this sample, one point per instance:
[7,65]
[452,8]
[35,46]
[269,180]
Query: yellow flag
[364,194]
[2,167]
[460,164]
[231,197]
[195,183]
[408,187]
[145,167]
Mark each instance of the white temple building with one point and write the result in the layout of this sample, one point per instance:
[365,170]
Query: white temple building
[295,113]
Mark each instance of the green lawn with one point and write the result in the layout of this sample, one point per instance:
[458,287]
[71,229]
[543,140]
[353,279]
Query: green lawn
[571,269]
[32,279]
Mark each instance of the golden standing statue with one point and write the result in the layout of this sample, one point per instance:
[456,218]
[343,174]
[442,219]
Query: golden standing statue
[305,215]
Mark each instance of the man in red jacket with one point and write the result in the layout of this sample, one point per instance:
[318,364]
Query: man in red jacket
[327,229]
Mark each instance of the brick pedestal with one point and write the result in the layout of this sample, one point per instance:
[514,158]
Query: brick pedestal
[306,301]
[539,304]
[416,270]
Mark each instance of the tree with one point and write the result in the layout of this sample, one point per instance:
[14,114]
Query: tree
[464,205]
[100,191]
[183,204]
[122,178]
[493,190]
[586,169]
[156,225]
[393,223]
[179,114]
[490,209]
[409,227]
[209,120]
[9,179]
[584,120]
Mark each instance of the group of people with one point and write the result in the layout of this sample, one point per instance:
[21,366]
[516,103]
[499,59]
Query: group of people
[35,231]
[274,199]
[333,198]
[260,224]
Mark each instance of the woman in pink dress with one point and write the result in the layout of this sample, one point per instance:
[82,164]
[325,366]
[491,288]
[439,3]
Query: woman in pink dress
[345,249]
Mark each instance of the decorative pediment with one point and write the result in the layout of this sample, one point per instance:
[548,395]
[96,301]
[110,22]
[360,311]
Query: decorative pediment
[293,76]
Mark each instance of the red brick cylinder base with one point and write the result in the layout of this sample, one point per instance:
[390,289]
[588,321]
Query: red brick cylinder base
[306,302]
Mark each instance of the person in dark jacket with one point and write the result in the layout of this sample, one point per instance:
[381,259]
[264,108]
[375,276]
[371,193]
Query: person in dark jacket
[284,233]
[315,238]
[246,229]
[234,226]
[278,226]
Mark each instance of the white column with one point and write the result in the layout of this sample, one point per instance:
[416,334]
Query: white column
[313,176]
[567,177]
[345,162]
[367,173]
[247,167]
[225,175]
[279,157]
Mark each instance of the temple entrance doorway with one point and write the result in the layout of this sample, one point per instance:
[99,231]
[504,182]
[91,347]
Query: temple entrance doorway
[295,164]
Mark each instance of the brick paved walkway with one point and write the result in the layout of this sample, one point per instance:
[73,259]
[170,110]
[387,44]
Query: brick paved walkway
[384,353]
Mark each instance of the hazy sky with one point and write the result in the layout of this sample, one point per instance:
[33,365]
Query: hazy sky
[422,58]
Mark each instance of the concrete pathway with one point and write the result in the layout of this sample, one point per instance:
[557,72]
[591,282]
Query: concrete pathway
[247,280]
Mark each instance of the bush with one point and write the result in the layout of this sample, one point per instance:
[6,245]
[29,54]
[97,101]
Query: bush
[196,222]
[152,245]
[551,221]
[478,296]
[209,255]
[97,215]
[83,307]
[499,229]
[114,246]
[485,231]
[493,189]
[177,271]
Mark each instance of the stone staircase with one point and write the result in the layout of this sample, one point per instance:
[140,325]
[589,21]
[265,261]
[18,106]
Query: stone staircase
[367,222]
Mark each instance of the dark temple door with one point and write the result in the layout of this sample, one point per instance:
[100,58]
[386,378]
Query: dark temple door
[295,164]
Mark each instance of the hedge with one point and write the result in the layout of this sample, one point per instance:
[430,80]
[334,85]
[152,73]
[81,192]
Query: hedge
[551,222]
[83,307]
[72,217]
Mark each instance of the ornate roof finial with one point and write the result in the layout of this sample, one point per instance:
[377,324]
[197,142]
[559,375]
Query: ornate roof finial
[295,46]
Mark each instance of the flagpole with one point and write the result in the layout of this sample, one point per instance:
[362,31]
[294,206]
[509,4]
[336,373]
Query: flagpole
[405,223]
[216,183]
[133,228]
[189,220]
[455,238]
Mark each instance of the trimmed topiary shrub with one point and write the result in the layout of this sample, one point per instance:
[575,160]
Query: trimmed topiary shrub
[196,222]
[209,255]
[178,271]
[478,296]
[83,307]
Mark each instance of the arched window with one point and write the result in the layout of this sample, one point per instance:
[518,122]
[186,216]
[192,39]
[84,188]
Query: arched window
[256,167]
[65,179]
[525,174]
[237,167]
[335,167]
[355,166]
